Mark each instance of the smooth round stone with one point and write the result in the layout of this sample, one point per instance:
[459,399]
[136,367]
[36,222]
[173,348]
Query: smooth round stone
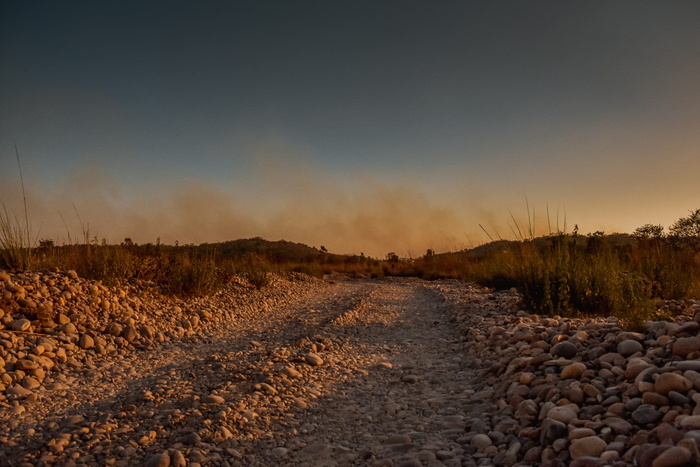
[667,382]
[526,378]
[619,425]
[129,333]
[177,459]
[159,460]
[581,335]
[678,398]
[313,359]
[213,399]
[26,303]
[113,329]
[693,365]
[686,345]
[673,457]
[654,399]
[481,442]
[574,370]
[527,408]
[520,390]
[576,395]
[562,414]
[648,456]
[578,433]
[30,383]
[691,327]
[629,347]
[666,431]
[290,372]
[591,446]
[692,422]
[646,413]
[24,364]
[564,349]
[20,325]
[628,335]
[68,328]
[634,368]
[86,342]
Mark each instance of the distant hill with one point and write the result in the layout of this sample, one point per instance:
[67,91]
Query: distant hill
[280,251]
[614,239]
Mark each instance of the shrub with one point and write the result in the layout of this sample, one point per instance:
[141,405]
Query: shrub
[686,230]
[193,277]
[257,271]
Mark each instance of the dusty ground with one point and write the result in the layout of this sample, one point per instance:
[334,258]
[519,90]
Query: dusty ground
[387,372]
[322,374]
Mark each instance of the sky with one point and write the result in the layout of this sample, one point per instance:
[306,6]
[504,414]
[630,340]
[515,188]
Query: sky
[363,126]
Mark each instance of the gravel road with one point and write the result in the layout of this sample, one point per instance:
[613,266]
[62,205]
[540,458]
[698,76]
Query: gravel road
[308,373]
[394,372]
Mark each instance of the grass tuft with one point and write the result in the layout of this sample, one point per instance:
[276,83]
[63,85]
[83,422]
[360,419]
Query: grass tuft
[15,251]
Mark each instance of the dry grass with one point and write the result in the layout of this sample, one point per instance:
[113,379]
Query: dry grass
[561,273]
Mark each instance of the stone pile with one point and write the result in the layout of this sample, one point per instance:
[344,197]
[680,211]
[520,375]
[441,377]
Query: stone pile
[582,392]
[54,320]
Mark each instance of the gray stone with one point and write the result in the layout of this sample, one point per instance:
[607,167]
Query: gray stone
[564,349]
[481,442]
[645,414]
[629,347]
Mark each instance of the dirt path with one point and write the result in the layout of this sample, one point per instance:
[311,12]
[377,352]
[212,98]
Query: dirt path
[357,373]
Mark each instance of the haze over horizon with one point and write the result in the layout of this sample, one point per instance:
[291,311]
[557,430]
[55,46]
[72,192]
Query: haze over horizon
[361,126]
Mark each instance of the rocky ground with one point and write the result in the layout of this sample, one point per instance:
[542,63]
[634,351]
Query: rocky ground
[391,372]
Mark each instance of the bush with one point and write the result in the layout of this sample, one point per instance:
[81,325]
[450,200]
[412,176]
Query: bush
[257,271]
[194,277]
[686,230]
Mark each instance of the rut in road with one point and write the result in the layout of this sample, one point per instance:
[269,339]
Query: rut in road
[405,405]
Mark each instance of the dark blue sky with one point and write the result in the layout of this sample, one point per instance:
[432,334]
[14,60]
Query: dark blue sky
[290,114]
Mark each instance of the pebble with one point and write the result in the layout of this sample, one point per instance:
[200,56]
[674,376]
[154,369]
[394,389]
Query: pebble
[574,370]
[213,399]
[645,414]
[673,457]
[313,359]
[629,347]
[21,324]
[481,442]
[564,350]
[159,460]
[667,382]
[591,446]
[684,346]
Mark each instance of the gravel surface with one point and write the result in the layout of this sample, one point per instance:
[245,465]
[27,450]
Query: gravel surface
[383,372]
